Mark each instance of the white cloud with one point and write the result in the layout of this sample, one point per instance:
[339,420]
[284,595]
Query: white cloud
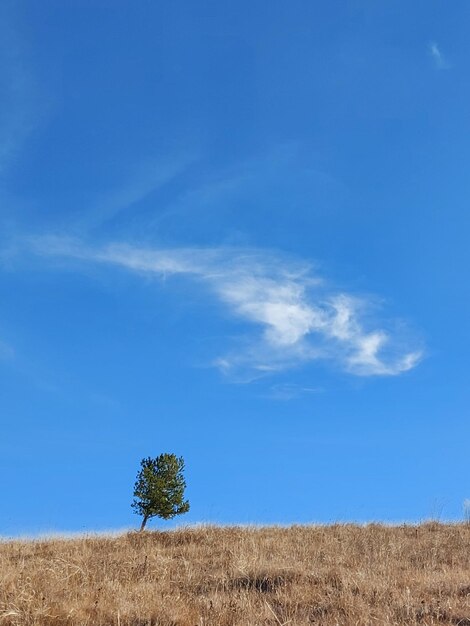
[439,59]
[301,319]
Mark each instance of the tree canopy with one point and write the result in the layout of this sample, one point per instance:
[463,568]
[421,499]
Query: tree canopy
[159,488]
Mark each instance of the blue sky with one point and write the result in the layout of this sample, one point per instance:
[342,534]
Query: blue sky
[237,232]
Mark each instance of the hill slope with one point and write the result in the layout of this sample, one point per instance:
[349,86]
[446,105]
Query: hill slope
[328,575]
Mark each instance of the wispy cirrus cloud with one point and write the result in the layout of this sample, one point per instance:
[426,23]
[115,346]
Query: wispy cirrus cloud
[148,176]
[290,391]
[299,317]
[6,351]
[440,60]
[20,106]
[23,106]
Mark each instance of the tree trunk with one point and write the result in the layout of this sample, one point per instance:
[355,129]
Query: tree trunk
[144,521]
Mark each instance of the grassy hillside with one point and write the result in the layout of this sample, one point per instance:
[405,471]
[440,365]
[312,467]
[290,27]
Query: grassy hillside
[328,575]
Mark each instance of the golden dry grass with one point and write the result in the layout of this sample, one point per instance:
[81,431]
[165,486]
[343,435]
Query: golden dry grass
[330,575]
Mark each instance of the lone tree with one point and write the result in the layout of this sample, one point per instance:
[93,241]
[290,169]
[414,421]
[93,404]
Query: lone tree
[159,488]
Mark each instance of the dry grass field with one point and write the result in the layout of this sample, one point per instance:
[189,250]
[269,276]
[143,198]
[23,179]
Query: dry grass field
[330,575]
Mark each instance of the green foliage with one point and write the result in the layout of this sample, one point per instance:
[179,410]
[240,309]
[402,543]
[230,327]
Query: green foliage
[159,488]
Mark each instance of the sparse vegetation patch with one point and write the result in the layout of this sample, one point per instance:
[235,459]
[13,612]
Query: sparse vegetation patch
[211,576]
